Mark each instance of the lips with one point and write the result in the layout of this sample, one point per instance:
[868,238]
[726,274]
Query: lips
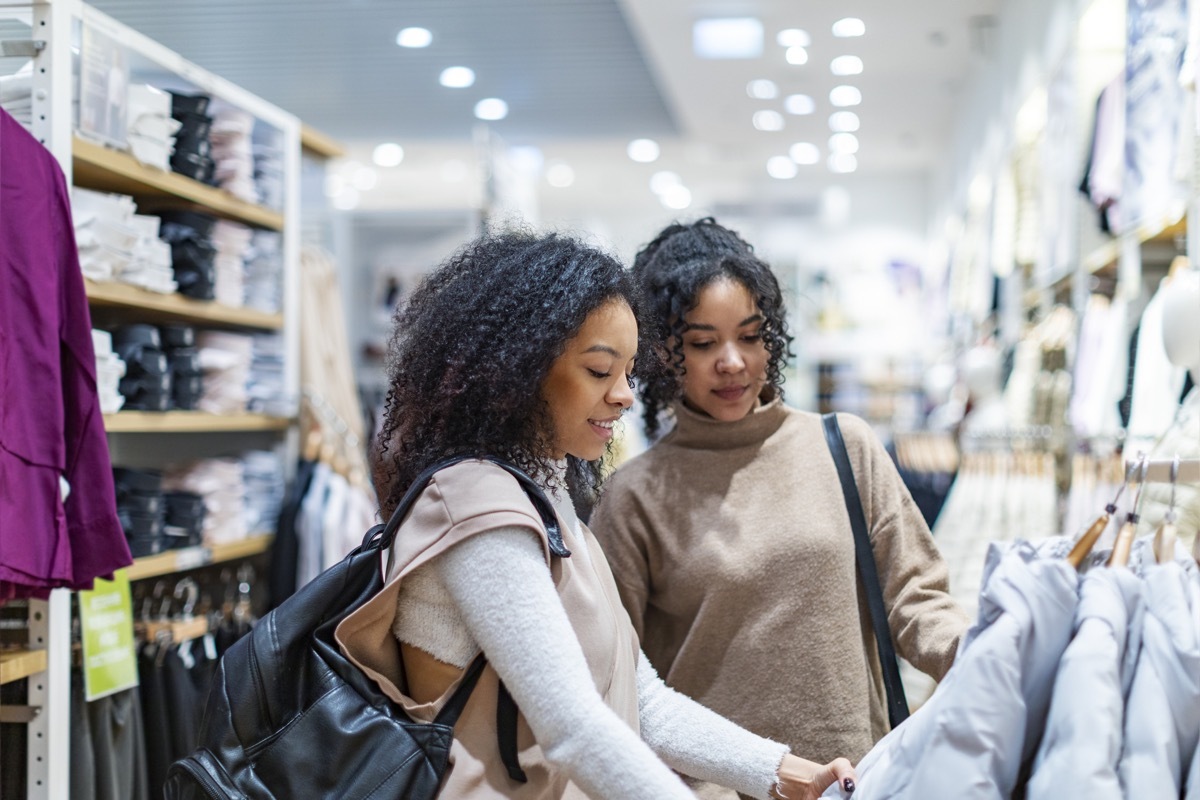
[603,427]
[731,392]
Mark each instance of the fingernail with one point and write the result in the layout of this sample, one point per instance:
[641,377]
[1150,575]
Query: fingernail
[848,785]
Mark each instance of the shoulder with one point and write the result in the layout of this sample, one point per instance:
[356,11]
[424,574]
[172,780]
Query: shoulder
[474,493]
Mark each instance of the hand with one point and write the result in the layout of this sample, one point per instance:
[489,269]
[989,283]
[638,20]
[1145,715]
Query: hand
[799,779]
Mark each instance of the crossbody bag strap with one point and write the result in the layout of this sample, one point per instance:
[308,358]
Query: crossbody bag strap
[864,556]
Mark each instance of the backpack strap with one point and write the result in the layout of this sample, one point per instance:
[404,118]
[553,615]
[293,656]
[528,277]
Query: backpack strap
[864,556]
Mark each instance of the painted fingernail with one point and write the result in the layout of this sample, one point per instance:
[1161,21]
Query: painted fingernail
[848,785]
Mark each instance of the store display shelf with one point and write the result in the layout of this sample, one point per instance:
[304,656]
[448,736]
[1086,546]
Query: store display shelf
[18,664]
[191,422]
[177,308]
[103,169]
[1106,255]
[319,144]
[187,558]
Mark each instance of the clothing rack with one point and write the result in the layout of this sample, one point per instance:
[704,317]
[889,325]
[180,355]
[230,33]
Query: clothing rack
[1159,470]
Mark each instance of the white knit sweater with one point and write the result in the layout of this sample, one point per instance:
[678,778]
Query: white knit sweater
[493,592]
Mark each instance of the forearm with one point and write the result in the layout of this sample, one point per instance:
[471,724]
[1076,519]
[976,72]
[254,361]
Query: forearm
[503,590]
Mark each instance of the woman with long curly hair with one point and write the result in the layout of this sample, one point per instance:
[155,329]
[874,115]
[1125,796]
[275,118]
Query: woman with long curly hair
[729,538]
[523,348]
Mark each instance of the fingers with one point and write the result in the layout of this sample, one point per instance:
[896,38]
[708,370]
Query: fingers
[842,771]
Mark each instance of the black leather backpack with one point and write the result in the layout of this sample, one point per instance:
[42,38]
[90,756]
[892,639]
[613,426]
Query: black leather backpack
[288,716]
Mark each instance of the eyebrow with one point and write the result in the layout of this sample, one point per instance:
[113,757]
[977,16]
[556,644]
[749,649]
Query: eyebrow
[746,321]
[603,348]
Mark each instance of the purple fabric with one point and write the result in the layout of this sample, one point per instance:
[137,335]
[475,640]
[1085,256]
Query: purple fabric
[50,420]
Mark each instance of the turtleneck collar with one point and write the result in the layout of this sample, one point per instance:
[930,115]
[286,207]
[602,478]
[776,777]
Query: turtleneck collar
[699,431]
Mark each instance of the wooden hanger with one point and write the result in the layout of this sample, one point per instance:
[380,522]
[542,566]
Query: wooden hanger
[1085,543]
[1125,537]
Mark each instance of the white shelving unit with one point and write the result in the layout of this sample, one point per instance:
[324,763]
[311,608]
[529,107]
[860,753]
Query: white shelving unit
[56,27]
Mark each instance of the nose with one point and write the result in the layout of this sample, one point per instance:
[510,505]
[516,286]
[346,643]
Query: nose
[620,393]
[730,360]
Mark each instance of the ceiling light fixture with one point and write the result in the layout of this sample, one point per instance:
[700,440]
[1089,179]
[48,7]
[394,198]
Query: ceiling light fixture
[491,109]
[768,120]
[843,143]
[663,180]
[799,104]
[781,168]
[414,37]
[845,96]
[849,28]
[843,162]
[560,175]
[388,154]
[457,77]
[762,89]
[805,153]
[797,56]
[846,65]
[843,122]
[793,37]
[676,197]
[733,37]
[643,151]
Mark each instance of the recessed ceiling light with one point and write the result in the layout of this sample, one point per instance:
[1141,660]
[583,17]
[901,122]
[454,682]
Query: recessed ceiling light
[762,89]
[843,162]
[797,56]
[849,27]
[457,77]
[843,122]
[845,96]
[663,180]
[733,37]
[843,143]
[491,109]
[768,120]
[643,150]
[799,104]
[781,167]
[805,153]
[388,154]
[846,65]
[793,37]
[560,175]
[414,37]
[676,197]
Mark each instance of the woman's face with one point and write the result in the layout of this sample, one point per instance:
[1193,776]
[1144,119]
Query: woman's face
[723,352]
[587,387]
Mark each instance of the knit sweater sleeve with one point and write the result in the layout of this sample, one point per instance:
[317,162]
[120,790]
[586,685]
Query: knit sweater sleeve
[701,743]
[925,621]
[500,584]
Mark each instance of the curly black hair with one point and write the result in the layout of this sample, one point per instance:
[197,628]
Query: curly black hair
[471,348]
[673,270]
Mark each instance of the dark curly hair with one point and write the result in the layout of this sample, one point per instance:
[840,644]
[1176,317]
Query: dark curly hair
[673,270]
[470,351]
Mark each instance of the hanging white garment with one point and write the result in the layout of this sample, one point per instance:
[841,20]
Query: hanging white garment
[1157,383]
[981,724]
[310,527]
[333,521]
[1083,738]
[1162,716]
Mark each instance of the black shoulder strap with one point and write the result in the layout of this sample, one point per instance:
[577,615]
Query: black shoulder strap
[865,557]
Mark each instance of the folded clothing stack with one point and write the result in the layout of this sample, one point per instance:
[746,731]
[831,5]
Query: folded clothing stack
[184,523]
[268,166]
[141,509]
[193,150]
[116,243]
[187,379]
[189,234]
[262,282]
[16,95]
[110,368]
[265,386]
[262,471]
[150,129]
[233,151]
[231,241]
[147,382]
[219,481]
[225,358]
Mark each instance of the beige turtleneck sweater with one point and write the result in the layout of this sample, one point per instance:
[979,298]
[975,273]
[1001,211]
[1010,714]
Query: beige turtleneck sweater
[732,549]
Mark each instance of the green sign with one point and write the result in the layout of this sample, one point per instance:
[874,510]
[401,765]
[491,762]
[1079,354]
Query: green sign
[109,656]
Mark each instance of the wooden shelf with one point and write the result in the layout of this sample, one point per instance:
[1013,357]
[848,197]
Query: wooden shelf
[190,422]
[319,144]
[177,308]
[98,167]
[18,664]
[187,558]
[1107,254]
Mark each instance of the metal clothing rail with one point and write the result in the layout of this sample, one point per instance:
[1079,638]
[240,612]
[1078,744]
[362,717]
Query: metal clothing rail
[1159,470]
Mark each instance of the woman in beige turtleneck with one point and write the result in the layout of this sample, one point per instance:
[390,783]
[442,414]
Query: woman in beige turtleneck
[729,539]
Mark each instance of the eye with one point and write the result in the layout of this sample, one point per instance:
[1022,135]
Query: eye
[753,337]
[599,375]
[700,345]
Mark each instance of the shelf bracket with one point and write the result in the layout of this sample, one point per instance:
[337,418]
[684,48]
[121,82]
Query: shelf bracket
[19,715]
[18,48]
